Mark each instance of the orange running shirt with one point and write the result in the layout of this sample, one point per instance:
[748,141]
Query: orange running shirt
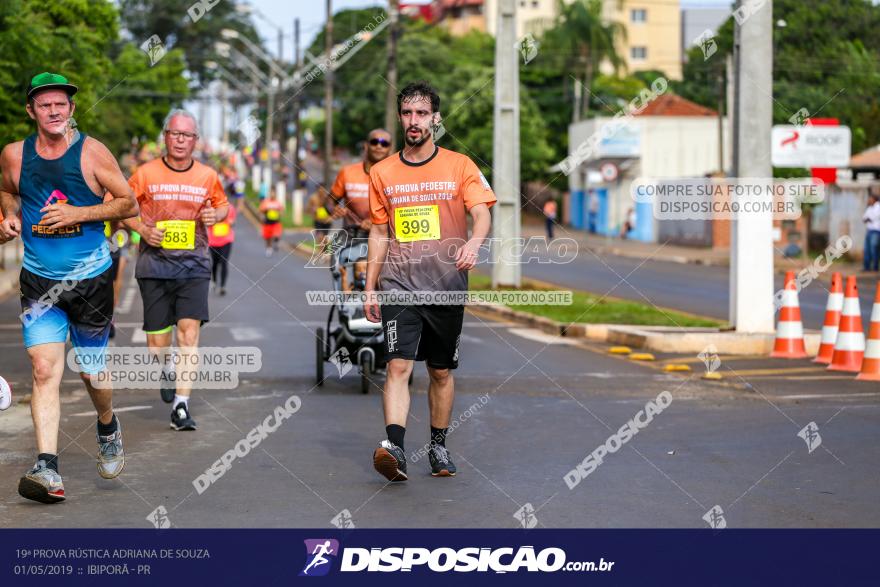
[352,187]
[425,206]
[164,193]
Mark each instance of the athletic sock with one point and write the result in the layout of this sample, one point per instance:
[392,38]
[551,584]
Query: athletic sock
[438,436]
[184,399]
[107,429]
[395,434]
[51,460]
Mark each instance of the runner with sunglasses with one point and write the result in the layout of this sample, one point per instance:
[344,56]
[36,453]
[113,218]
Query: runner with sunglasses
[351,190]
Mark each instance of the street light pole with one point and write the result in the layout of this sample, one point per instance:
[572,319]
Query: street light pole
[328,96]
[391,91]
[297,164]
[505,160]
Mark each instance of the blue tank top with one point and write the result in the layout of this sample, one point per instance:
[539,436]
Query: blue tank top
[73,252]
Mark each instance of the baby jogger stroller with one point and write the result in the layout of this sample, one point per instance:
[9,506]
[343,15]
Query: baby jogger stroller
[354,341]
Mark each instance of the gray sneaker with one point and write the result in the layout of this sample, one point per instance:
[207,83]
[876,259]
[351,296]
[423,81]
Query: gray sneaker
[42,484]
[111,457]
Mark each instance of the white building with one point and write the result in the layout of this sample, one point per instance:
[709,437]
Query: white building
[671,137]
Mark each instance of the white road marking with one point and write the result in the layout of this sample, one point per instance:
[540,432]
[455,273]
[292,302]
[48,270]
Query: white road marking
[117,410]
[827,395]
[469,338]
[540,336]
[248,397]
[127,301]
[246,334]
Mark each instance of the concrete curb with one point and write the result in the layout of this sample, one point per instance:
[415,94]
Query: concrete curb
[655,338]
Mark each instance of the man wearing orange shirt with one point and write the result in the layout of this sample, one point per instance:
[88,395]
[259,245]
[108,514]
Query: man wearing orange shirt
[179,198]
[351,193]
[420,200]
[352,186]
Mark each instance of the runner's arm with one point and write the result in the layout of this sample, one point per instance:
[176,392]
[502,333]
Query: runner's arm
[10,202]
[377,249]
[466,257]
[121,204]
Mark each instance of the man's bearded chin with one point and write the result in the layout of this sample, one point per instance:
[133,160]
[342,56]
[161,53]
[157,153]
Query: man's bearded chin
[419,141]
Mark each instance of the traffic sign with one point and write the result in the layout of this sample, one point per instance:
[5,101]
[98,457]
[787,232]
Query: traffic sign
[810,146]
[609,171]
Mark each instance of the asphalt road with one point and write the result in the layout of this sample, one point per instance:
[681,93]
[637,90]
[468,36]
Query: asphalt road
[546,404]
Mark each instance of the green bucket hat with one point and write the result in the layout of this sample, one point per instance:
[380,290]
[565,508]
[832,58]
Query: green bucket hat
[50,81]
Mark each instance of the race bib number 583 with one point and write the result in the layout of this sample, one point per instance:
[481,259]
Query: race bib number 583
[417,223]
[179,234]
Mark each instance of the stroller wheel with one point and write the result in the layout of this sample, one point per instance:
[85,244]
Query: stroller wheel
[319,356]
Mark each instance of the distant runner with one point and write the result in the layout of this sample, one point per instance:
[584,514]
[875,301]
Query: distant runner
[271,209]
[220,239]
[57,179]
[420,199]
[179,198]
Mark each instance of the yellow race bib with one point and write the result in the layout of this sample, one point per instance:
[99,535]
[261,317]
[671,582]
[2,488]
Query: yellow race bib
[221,229]
[272,215]
[417,223]
[179,234]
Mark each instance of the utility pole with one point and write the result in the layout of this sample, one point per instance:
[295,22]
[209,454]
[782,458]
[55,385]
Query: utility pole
[751,263]
[297,164]
[505,151]
[224,112]
[328,96]
[391,91]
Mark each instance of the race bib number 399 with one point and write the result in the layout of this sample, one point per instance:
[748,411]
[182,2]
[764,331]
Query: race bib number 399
[179,234]
[417,223]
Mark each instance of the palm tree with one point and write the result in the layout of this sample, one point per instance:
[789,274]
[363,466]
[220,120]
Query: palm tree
[586,39]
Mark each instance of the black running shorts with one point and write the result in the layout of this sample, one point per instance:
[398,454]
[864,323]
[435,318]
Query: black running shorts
[423,333]
[168,300]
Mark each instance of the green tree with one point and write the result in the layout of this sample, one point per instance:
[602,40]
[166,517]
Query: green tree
[191,26]
[71,37]
[825,61]
[584,40]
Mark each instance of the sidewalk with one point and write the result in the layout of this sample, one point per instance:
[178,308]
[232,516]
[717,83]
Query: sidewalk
[602,245]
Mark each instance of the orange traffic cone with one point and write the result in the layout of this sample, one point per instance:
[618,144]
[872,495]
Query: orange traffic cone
[789,343]
[849,348]
[832,319]
[871,363]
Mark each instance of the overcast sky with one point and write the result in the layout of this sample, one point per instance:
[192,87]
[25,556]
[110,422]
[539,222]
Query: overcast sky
[311,15]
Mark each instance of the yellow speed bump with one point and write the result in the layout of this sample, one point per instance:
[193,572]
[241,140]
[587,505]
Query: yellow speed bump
[676,367]
[620,350]
[641,357]
[713,375]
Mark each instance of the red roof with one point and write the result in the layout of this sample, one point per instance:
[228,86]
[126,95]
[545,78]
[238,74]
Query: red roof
[447,4]
[673,105]
[867,158]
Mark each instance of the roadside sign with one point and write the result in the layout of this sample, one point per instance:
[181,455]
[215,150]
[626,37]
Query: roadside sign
[609,171]
[810,146]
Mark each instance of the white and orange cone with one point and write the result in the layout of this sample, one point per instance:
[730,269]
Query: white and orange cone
[871,361]
[789,343]
[849,348]
[832,320]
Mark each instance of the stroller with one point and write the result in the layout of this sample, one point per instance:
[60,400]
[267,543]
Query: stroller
[355,340]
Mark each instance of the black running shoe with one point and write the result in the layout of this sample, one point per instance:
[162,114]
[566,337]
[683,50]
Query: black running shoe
[168,387]
[180,418]
[441,462]
[390,460]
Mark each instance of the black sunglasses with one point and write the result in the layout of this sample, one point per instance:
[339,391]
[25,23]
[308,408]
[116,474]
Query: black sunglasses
[382,142]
